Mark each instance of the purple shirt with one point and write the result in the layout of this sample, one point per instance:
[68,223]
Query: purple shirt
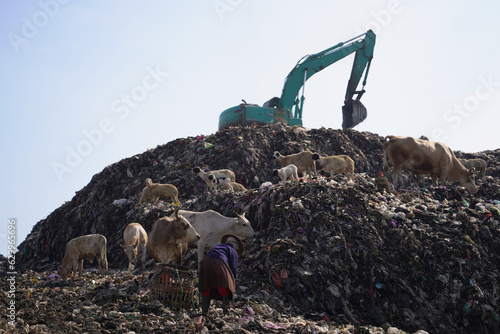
[227,253]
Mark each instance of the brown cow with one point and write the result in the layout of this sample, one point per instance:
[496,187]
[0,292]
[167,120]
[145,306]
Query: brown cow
[135,239]
[87,246]
[426,157]
[169,239]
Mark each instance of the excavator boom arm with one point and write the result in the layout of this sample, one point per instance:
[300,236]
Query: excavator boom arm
[309,65]
[287,109]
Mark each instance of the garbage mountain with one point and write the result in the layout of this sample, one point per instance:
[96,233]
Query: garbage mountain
[417,257]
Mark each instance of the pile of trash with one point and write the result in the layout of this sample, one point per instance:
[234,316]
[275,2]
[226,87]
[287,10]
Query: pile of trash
[121,303]
[327,250]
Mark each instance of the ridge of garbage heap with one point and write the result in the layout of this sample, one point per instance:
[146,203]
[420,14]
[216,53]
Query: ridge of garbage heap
[417,258]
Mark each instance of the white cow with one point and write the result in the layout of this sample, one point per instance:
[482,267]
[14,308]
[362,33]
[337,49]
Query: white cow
[212,226]
[135,240]
[88,246]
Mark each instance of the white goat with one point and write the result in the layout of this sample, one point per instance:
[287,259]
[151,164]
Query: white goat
[217,173]
[225,183]
[303,161]
[284,173]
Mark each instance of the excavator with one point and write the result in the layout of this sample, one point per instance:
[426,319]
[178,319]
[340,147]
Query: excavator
[287,109]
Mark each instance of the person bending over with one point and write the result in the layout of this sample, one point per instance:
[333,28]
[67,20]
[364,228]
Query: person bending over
[217,277]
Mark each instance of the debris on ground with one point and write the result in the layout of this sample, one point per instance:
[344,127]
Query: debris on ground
[330,256]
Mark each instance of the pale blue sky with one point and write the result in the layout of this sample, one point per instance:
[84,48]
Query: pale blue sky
[113,79]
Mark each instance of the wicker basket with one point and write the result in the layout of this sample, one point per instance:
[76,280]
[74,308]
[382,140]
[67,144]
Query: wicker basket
[175,284]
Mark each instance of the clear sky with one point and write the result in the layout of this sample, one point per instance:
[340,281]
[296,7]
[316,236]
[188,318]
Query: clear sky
[87,83]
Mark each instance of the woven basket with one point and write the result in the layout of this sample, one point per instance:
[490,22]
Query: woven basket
[174,285]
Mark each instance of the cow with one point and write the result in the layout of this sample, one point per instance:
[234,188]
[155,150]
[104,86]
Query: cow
[336,164]
[212,226]
[303,160]
[87,246]
[426,157]
[135,240]
[169,238]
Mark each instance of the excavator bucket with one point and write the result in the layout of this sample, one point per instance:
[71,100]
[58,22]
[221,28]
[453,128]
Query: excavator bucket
[353,113]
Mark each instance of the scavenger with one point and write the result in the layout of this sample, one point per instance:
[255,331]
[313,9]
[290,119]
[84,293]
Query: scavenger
[218,273]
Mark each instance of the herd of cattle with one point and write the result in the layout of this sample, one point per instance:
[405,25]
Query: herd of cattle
[171,236]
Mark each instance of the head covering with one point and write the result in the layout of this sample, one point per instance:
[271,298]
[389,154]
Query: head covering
[240,248]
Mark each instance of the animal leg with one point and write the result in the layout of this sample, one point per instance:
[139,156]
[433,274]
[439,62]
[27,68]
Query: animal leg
[143,256]
[102,265]
[75,269]
[434,180]
[351,172]
[80,268]
[396,176]
[444,177]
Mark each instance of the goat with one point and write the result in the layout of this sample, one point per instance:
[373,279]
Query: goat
[336,164]
[154,191]
[217,173]
[478,164]
[289,171]
[383,184]
[225,183]
[303,161]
